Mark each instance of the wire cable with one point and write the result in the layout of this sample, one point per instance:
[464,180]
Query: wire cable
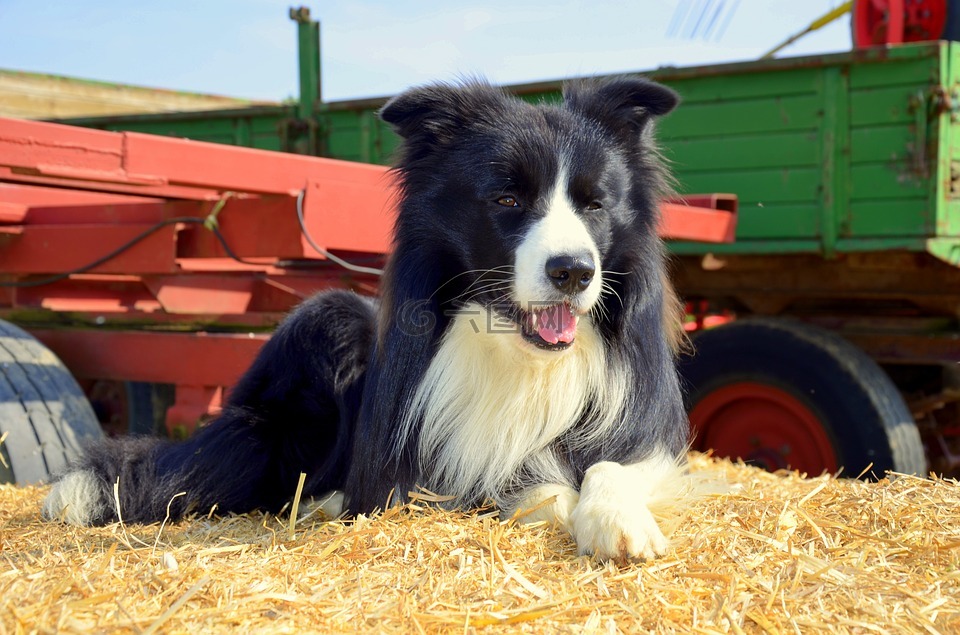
[188,220]
[334,258]
[210,223]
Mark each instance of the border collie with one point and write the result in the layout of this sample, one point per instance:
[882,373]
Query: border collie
[520,353]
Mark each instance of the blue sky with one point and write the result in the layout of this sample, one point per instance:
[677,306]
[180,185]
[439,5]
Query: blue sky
[247,48]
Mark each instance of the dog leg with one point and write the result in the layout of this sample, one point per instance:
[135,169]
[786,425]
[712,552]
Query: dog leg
[291,412]
[613,520]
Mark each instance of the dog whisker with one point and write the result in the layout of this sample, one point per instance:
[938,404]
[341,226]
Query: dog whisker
[599,312]
[483,276]
[608,288]
[490,287]
[482,272]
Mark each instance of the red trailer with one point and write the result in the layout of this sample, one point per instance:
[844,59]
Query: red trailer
[155,268]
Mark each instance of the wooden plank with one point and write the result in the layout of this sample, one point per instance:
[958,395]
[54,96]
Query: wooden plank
[749,116]
[882,180]
[916,71]
[779,221]
[732,85]
[890,142]
[756,187]
[885,217]
[885,105]
[745,152]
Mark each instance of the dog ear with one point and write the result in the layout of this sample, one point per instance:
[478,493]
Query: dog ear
[438,112]
[624,106]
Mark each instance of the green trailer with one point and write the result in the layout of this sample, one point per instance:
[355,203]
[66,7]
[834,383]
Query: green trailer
[835,339]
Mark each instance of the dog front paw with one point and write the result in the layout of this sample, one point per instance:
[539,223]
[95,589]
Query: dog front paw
[621,534]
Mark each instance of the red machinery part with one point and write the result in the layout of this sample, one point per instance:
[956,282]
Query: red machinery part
[884,22]
[69,196]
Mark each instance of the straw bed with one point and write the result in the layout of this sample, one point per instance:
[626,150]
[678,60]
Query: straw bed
[776,554]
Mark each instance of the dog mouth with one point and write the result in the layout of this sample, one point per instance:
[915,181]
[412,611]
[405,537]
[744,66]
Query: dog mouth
[549,327]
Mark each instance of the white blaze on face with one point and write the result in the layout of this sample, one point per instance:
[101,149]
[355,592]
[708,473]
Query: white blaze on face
[560,232]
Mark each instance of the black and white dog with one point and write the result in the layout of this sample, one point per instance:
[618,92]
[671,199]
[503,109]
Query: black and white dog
[519,353]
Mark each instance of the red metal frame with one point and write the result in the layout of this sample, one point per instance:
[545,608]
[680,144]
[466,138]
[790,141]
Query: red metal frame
[70,195]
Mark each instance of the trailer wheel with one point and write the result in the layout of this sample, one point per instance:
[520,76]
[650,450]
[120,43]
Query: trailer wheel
[43,413]
[780,394]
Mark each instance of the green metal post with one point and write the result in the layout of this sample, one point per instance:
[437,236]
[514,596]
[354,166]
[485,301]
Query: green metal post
[308,45]
[835,158]
[308,39]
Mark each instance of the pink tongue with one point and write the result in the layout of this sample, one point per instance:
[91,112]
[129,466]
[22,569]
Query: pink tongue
[556,324]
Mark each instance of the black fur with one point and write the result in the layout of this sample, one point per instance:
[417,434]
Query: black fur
[327,392]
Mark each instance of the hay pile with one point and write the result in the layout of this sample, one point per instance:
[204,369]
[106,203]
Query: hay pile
[777,554]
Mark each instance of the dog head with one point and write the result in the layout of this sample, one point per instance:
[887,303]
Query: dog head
[539,214]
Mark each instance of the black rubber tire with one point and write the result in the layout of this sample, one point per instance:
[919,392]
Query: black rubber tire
[45,415]
[858,405]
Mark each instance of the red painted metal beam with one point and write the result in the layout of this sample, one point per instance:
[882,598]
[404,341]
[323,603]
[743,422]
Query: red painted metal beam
[37,196]
[196,359]
[10,175]
[347,205]
[59,248]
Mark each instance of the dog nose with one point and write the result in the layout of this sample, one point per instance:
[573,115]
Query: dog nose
[570,274]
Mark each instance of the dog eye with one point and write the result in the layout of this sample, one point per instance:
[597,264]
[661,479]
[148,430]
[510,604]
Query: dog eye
[508,201]
[593,206]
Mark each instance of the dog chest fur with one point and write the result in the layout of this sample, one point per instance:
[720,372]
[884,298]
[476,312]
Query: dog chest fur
[486,405]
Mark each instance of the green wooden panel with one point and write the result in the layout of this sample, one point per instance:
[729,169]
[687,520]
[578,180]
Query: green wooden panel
[792,149]
[920,70]
[343,134]
[772,113]
[764,187]
[747,246]
[343,145]
[731,86]
[884,105]
[267,142]
[778,221]
[899,217]
[881,181]
[359,135]
[948,221]
[199,130]
[389,142]
[891,143]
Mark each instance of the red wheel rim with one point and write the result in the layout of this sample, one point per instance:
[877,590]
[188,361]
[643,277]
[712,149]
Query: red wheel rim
[877,22]
[924,20]
[880,22]
[762,425]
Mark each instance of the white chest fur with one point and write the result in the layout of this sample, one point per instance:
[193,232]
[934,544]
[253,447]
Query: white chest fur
[489,401]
